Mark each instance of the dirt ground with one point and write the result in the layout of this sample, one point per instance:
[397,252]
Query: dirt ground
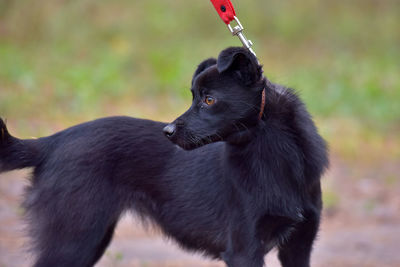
[361,225]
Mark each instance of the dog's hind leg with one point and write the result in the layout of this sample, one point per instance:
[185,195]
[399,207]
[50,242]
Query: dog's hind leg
[71,227]
[296,251]
[62,251]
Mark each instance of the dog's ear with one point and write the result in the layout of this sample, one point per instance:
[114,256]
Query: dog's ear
[242,63]
[202,66]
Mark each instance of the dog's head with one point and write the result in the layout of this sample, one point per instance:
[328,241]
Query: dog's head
[226,100]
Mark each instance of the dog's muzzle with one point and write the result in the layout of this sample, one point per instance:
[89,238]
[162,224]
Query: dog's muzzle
[169,130]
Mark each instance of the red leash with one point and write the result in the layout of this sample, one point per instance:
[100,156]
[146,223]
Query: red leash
[227,13]
[225,10]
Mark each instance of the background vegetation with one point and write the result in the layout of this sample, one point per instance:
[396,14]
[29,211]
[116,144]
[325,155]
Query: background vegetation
[75,60]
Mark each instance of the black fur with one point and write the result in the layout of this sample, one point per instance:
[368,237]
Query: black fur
[240,186]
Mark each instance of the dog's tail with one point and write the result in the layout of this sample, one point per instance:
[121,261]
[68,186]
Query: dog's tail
[16,153]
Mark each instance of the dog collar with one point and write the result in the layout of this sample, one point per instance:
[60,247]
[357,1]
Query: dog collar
[262,104]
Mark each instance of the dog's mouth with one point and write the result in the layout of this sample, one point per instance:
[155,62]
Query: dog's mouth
[189,141]
[236,134]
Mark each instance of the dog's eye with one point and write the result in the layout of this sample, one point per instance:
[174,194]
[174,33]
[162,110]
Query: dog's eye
[209,100]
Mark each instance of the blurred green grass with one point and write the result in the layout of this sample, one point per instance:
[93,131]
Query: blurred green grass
[68,61]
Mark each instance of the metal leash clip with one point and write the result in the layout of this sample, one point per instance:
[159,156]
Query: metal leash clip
[238,31]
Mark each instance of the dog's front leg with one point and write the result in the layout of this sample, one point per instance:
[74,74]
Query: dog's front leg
[244,249]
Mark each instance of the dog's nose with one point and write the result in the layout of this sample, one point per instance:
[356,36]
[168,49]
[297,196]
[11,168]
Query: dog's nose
[169,130]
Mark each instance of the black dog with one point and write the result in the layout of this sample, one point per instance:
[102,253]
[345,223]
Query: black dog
[235,200]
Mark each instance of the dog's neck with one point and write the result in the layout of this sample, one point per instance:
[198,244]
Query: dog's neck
[246,134]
